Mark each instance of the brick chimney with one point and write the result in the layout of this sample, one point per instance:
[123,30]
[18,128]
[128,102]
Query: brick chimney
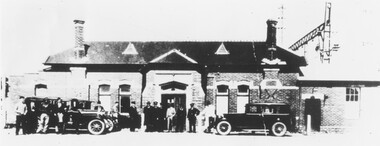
[271,39]
[79,46]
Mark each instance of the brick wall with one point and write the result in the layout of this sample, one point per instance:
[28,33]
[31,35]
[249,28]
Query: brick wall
[194,92]
[332,107]
[77,84]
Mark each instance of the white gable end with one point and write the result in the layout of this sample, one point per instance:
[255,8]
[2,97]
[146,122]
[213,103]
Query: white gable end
[171,52]
[130,50]
[222,50]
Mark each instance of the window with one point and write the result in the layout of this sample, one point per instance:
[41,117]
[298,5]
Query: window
[40,90]
[222,100]
[222,90]
[125,89]
[352,104]
[105,96]
[242,98]
[243,89]
[124,97]
[352,94]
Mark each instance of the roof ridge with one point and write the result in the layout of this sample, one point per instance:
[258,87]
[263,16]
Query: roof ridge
[175,41]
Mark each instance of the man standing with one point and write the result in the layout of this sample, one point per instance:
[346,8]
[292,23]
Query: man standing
[31,118]
[20,115]
[60,112]
[148,120]
[170,113]
[45,111]
[157,115]
[181,119]
[134,116]
[192,116]
[75,115]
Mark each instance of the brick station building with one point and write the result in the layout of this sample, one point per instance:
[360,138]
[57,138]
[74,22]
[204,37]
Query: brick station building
[227,73]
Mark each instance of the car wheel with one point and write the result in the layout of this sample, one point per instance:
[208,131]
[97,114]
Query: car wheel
[223,128]
[278,129]
[96,127]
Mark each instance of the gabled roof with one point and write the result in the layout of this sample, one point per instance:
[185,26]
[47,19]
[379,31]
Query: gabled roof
[240,53]
[173,56]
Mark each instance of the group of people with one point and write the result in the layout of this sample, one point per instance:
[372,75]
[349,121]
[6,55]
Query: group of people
[157,119]
[37,120]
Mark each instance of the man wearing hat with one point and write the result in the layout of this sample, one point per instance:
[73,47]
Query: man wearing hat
[192,116]
[134,116]
[157,117]
[148,121]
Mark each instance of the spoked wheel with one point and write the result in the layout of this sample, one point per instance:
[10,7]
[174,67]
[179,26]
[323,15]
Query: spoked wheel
[96,127]
[223,128]
[278,129]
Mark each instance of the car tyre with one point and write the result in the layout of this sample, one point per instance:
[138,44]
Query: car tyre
[223,128]
[96,126]
[278,129]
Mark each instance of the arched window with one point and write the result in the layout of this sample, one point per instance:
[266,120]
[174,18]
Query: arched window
[124,97]
[243,89]
[242,98]
[40,90]
[222,90]
[222,99]
[105,96]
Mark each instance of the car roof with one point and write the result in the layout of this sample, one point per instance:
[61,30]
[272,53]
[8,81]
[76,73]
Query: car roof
[39,98]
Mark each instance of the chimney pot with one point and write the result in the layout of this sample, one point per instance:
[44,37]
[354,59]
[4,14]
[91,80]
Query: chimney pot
[78,22]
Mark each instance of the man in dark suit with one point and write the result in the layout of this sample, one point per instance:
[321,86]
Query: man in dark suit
[148,119]
[134,116]
[181,119]
[192,116]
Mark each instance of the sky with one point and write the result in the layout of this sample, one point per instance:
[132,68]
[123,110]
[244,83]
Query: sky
[33,30]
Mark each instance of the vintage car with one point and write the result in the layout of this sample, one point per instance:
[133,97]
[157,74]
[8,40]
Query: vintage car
[96,122]
[274,117]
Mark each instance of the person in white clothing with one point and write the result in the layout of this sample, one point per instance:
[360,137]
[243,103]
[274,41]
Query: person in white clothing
[170,113]
[20,115]
[210,116]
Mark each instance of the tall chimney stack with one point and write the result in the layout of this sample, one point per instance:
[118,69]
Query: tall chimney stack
[271,33]
[271,39]
[79,42]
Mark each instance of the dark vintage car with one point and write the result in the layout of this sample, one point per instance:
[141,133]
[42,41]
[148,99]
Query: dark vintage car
[274,117]
[94,121]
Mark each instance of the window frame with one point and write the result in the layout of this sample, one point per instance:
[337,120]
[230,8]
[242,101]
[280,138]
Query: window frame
[222,93]
[352,94]
[40,86]
[124,94]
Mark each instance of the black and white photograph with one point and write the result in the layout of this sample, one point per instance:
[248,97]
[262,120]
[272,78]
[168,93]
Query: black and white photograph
[189,72]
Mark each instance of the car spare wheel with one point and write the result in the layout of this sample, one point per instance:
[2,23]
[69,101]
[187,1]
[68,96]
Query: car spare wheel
[96,126]
[278,129]
[223,128]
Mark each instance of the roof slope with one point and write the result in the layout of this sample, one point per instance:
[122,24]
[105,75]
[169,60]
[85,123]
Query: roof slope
[240,53]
